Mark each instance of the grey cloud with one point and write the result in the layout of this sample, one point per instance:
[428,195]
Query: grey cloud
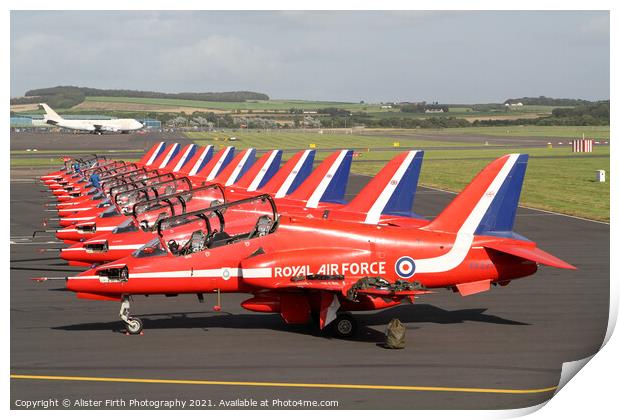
[464,56]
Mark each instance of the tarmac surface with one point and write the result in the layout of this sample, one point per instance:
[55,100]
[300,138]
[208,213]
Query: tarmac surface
[62,141]
[509,338]
[114,145]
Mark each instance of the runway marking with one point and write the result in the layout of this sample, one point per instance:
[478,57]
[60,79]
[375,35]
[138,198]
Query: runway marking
[287,384]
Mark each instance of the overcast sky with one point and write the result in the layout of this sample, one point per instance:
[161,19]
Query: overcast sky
[450,57]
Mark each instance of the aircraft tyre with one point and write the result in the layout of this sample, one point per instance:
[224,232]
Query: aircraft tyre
[344,326]
[134,326]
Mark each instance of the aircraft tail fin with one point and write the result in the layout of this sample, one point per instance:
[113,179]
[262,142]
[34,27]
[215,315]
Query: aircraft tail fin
[261,172]
[392,190]
[217,164]
[169,157]
[488,205]
[50,116]
[291,175]
[153,153]
[202,156]
[328,182]
[236,168]
[182,158]
[164,157]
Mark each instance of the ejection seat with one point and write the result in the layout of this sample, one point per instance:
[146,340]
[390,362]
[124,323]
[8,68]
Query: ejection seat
[264,224]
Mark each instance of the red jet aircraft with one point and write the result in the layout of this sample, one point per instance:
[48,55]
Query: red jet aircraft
[388,198]
[304,268]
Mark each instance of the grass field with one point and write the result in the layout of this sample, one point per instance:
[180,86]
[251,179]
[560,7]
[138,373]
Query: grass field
[33,162]
[103,103]
[300,140]
[554,181]
[67,152]
[271,105]
[572,132]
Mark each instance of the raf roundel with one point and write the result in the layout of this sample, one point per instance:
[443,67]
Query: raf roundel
[405,267]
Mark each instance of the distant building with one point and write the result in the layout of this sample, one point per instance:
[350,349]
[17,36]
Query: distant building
[21,121]
[151,124]
[514,104]
[386,106]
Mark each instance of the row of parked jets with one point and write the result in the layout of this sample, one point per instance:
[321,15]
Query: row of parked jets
[185,221]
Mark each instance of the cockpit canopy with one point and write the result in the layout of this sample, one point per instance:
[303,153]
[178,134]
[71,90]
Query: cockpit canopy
[126,200]
[141,183]
[111,170]
[219,225]
[126,178]
[148,213]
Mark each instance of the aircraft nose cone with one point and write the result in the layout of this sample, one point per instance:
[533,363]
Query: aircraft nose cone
[74,252]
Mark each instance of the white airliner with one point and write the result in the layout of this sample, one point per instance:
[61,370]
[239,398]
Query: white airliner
[94,126]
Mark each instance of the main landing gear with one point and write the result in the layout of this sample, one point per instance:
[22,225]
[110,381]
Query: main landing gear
[133,325]
[344,326]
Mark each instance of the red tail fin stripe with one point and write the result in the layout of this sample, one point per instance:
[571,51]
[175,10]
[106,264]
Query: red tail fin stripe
[289,180]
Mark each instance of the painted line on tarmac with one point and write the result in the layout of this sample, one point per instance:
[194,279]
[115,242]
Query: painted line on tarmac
[286,384]
[36,243]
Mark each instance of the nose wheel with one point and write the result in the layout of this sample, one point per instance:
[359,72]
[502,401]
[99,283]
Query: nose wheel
[134,326]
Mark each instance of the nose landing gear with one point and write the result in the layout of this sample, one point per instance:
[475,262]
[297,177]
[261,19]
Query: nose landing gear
[134,326]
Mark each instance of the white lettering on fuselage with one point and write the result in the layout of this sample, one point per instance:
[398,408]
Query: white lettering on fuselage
[353,269]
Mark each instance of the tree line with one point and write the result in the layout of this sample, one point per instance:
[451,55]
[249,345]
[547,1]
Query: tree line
[543,100]
[69,96]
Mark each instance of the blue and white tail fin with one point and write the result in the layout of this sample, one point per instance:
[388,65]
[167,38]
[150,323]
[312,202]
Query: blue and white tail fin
[488,205]
[291,175]
[392,191]
[198,161]
[236,168]
[172,152]
[499,218]
[183,158]
[153,153]
[328,182]
[217,164]
[261,172]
